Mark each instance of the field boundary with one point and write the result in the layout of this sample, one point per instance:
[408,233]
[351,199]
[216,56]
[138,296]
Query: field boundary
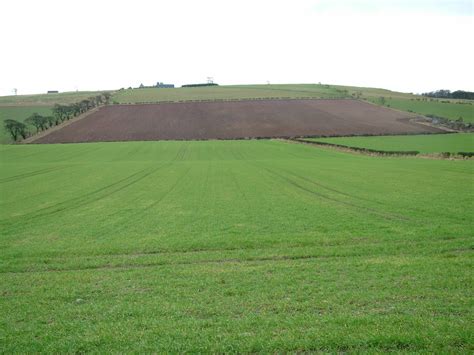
[33,138]
[384,153]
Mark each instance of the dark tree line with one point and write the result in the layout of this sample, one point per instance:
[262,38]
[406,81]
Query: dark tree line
[61,113]
[198,85]
[446,94]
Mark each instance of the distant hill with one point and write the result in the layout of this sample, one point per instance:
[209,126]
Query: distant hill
[452,109]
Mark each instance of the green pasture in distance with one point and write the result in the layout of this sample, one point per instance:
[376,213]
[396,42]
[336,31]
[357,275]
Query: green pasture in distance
[365,92]
[47,99]
[19,113]
[227,92]
[449,109]
[233,246]
[426,143]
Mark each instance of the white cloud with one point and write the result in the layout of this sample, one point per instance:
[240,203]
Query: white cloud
[401,45]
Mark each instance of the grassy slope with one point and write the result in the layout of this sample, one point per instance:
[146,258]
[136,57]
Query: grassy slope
[46,99]
[374,92]
[20,107]
[232,246]
[434,143]
[19,113]
[450,110]
[226,92]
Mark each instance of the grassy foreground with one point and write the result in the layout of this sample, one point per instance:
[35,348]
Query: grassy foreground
[427,143]
[232,246]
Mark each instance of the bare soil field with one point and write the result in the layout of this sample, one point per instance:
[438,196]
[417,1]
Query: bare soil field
[235,119]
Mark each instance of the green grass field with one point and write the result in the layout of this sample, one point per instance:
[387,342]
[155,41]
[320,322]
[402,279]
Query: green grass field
[369,93]
[432,143]
[233,246]
[19,113]
[447,108]
[451,110]
[228,92]
[46,99]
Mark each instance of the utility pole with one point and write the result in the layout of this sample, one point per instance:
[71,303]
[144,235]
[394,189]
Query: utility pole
[15,91]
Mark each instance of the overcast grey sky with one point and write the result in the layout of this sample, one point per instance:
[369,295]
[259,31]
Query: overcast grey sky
[405,45]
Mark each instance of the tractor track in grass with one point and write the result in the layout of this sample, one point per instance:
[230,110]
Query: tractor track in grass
[406,208]
[30,174]
[331,189]
[390,216]
[90,197]
[176,255]
[133,214]
[106,191]
[276,258]
[294,183]
[239,189]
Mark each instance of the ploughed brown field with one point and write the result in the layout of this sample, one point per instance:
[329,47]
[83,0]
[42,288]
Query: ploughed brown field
[235,119]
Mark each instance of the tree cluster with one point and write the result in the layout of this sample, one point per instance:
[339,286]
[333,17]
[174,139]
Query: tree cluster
[61,113]
[446,94]
[457,125]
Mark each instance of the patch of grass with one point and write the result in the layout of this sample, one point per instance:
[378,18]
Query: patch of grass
[19,113]
[232,246]
[427,143]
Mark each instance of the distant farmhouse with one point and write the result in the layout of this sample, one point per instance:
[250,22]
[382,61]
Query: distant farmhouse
[158,85]
[53,91]
[164,86]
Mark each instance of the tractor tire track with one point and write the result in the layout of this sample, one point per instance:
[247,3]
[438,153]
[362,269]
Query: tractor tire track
[30,174]
[406,208]
[330,188]
[188,256]
[178,262]
[169,191]
[88,198]
[294,183]
[132,216]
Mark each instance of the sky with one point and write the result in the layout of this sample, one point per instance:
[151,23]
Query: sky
[404,45]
